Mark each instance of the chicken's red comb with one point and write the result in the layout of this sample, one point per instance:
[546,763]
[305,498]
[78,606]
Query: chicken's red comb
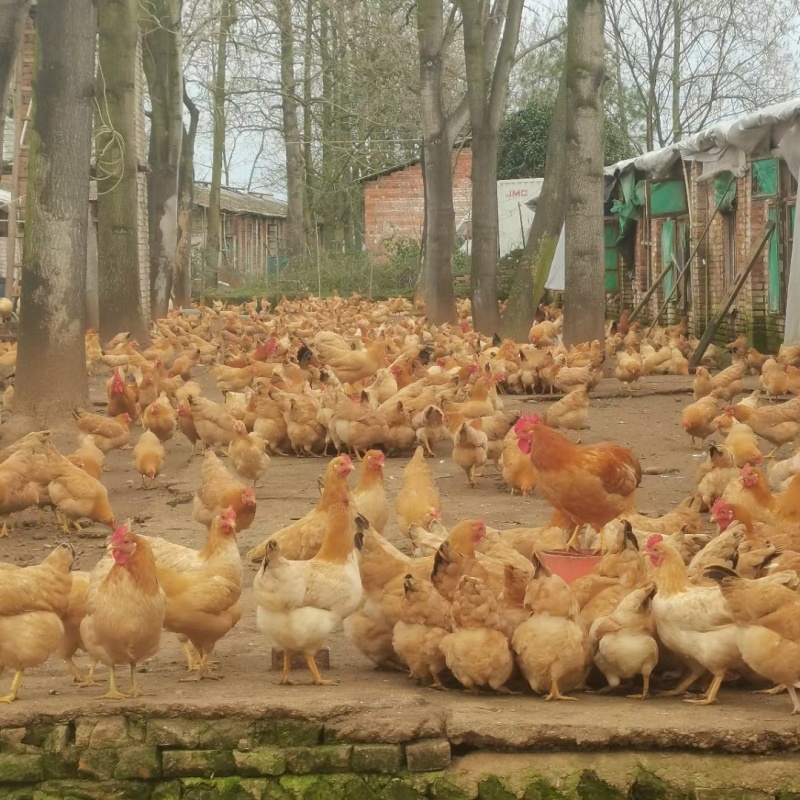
[229,514]
[747,470]
[719,507]
[522,423]
[119,533]
[653,540]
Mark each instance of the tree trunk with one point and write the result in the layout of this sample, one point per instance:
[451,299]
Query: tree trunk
[51,365]
[117,170]
[296,233]
[487,72]
[584,300]
[227,16]
[437,145]
[12,24]
[530,277]
[162,66]
[183,255]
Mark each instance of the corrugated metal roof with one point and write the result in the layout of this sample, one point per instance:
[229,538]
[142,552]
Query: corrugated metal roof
[238,201]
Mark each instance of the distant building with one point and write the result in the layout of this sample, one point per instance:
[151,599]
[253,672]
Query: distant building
[253,227]
[394,201]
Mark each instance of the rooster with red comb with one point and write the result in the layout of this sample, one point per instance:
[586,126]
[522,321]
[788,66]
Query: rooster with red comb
[589,484]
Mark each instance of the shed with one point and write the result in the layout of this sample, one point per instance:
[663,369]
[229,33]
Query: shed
[253,226]
[713,193]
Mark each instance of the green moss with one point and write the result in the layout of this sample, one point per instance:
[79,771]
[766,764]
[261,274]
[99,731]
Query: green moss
[260,761]
[442,789]
[288,732]
[381,758]
[21,768]
[323,758]
[98,764]
[590,787]
[394,788]
[231,788]
[18,793]
[650,787]
[93,790]
[492,788]
[541,790]
[167,790]
[140,762]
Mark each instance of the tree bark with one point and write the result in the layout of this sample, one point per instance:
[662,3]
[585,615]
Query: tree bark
[12,24]
[117,168]
[51,365]
[529,280]
[584,301]
[487,72]
[296,233]
[183,257]
[438,137]
[227,17]
[162,66]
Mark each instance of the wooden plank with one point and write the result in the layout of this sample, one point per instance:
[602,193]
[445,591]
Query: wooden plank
[648,294]
[679,276]
[727,301]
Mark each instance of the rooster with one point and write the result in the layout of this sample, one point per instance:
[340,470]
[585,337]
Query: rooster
[588,484]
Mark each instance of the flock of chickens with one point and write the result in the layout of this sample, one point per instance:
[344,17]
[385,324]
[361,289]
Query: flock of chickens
[675,599]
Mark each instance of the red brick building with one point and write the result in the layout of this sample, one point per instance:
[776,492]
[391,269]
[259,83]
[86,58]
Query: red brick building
[659,210]
[394,201]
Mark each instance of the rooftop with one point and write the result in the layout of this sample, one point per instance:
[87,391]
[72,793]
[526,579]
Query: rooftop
[240,201]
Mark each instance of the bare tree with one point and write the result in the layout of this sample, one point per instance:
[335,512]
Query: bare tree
[691,62]
[296,232]
[12,24]
[51,368]
[488,66]
[182,282]
[120,298]
[161,49]
[227,17]
[584,292]
[532,272]
[439,132]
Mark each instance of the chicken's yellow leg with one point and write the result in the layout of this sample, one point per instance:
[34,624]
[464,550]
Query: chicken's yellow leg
[555,692]
[135,690]
[574,540]
[287,666]
[315,676]
[4,530]
[710,696]
[645,689]
[12,695]
[79,679]
[113,693]
[192,662]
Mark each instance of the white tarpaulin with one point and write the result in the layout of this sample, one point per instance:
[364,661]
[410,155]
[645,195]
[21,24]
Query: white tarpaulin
[772,131]
[558,266]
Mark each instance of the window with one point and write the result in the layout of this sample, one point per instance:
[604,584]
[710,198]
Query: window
[668,198]
[764,177]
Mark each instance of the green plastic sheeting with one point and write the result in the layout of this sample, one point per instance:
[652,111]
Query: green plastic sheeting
[774,266]
[667,198]
[611,258]
[667,249]
[725,191]
[765,176]
[627,209]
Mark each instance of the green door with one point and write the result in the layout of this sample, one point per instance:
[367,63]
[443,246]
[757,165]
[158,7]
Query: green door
[667,251]
[610,235]
[774,265]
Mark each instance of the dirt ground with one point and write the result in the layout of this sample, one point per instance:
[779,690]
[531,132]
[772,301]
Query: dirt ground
[648,422]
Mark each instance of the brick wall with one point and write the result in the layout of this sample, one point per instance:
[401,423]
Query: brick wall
[394,203]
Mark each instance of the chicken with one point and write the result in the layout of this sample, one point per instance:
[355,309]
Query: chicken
[624,641]
[248,453]
[511,602]
[71,641]
[18,490]
[742,443]
[789,355]
[768,633]
[148,457]
[773,378]
[125,609]
[418,501]
[629,368]
[792,380]
[424,622]
[299,603]
[370,494]
[90,457]
[477,651]
[160,418]
[778,424]
[755,360]
[202,589]
[302,539]
[587,484]
[730,382]
[186,425]
[479,404]
[571,412]
[32,602]
[358,426]
[551,646]
[351,366]
[109,433]
[304,431]
[122,397]
[430,427]
[220,490]
[692,621]
[782,472]
[518,472]
[470,448]
[78,495]
[697,418]
[702,385]
[400,435]
[213,423]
